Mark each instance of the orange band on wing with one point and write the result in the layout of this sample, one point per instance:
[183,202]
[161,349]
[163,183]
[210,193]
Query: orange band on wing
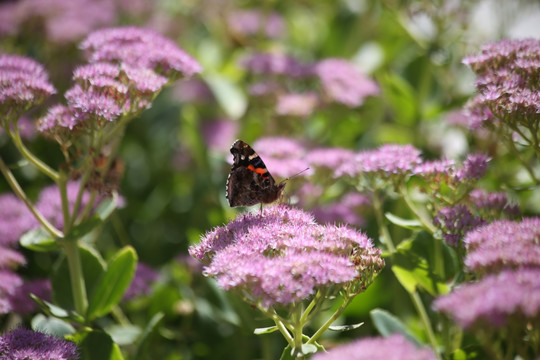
[260,171]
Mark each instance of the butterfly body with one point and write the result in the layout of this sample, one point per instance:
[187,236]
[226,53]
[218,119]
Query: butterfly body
[249,180]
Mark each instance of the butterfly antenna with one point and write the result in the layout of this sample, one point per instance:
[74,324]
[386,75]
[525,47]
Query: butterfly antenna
[298,173]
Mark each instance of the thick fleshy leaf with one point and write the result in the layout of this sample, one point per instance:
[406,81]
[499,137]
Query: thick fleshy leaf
[345,327]
[98,345]
[93,267]
[38,240]
[413,271]
[114,283]
[404,223]
[387,324]
[148,330]
[266,330]
[52,326]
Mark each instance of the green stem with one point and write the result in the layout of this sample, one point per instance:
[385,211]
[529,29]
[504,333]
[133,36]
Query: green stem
[529,169]
[279,324]
[437,256]
[298,327]
[425,320]
[78,287]
[330,320]
[44,168]
[419,214]
[384,234]
[14,184]
[377,205]
[62,185]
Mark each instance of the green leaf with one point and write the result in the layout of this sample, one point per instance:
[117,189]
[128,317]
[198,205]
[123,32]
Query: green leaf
[56,311]
[103,211]
[266,330]
[404,223]
[387,324]
[114,283]
[123,334]
[38,240]
[412,271]
[308,349]
[148,330]
[51,325]
[287,353]
[401,98]
[98,345]
[229,96]
[107,207]
[83,228]
[93,267]
[345,327]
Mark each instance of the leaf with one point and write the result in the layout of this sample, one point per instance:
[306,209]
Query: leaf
[148,330]
[107,207]
[93,267]
[387,324]
[229,96]
[51,325]
[103,211]
[38,240]
[114,283]
[83,228]
[287,353]
[123,334]
[56,311]
[308,349]
[266,330]
[412,271]
[98,345]
[401,98]
[404,223]
[345,327]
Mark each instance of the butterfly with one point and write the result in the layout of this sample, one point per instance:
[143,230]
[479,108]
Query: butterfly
[249,180]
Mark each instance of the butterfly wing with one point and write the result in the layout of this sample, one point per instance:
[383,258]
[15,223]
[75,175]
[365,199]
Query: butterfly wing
[249,181]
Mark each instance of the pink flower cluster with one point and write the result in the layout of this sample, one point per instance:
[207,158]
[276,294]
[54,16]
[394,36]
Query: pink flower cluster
[282,256]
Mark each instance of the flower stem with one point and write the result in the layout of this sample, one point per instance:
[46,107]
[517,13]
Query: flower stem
[417,302]
[78,288]
[44,168]
[420,215]
[12,181]
[425,320]
[330,320]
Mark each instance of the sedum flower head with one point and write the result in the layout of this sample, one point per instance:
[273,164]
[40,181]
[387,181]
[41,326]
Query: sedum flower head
[495,300]
[22,344]
[493,204]
[20,300]
[389,159]
[504,244]
[282,256]
[23,84]
[244,23]
[454,222]
[297,104]
[275,64]
[15,219]
[140,48]
[342,82]
[507,81]
[49,202]
[9,283]
[395,347]
[142,282]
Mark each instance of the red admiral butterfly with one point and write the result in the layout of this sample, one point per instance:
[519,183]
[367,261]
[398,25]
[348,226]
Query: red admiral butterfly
[249,181]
